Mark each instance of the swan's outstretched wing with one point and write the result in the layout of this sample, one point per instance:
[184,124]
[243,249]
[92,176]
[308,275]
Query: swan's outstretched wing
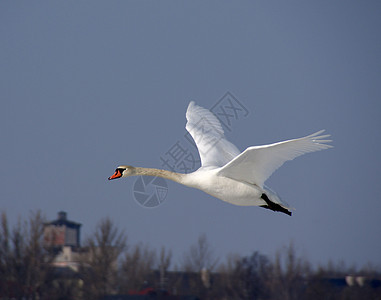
[207,132]
[257,163]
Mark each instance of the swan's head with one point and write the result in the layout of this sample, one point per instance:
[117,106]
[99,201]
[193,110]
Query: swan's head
[122,171]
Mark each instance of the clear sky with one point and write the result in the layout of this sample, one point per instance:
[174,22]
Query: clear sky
[88,85]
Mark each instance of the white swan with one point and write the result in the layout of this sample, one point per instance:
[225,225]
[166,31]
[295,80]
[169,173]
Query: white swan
[225,172]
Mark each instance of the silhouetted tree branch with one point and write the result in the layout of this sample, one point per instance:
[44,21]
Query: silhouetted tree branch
[99,262]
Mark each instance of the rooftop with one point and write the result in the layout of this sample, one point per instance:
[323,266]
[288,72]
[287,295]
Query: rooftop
[62,220]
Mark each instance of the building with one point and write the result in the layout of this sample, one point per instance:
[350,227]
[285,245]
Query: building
[63,236]
[62,232]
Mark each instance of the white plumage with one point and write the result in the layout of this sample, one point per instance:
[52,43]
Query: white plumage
[228,174]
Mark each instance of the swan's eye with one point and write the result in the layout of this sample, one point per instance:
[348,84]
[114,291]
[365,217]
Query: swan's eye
[120,170]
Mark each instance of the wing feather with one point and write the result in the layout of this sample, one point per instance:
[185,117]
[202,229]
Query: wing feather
[257,163]
[207,132]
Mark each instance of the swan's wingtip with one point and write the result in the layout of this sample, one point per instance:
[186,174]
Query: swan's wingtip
[191,106]
[321,139]
[317,133]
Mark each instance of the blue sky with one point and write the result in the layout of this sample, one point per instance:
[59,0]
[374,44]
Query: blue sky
[86,86]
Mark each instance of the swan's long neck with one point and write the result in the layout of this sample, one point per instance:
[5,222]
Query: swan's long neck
[177,177]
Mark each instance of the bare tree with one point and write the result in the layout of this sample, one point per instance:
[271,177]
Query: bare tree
[4,246]
[164,263]
[24,262]
[99,262]
[289,274]
[200,256]
[198,263]
[137,268]
[246,277]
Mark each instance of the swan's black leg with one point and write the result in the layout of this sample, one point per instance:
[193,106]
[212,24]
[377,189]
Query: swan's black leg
[273,206]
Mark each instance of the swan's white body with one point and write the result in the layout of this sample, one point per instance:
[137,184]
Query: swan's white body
[224,188]
[225,172]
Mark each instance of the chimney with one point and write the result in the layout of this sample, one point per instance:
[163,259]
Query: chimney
[62,216]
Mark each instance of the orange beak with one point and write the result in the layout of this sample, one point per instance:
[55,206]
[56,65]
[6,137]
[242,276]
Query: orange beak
[117,174]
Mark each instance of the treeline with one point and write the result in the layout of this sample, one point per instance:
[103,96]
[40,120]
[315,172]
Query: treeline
[108,265]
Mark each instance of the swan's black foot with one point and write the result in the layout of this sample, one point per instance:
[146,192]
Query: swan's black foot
[273,206]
